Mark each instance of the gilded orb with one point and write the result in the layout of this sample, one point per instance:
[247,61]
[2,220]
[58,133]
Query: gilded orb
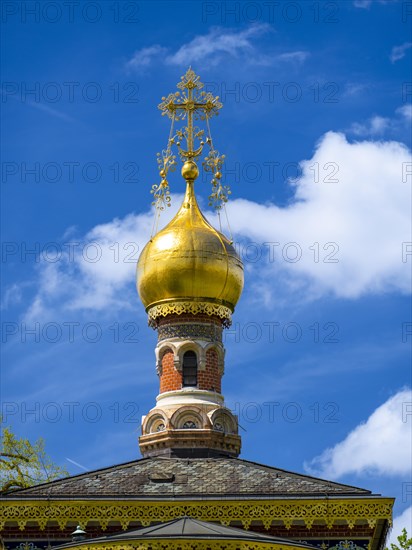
[189,260]
[190,171]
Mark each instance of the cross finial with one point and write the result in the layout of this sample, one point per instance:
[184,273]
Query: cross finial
[189,104]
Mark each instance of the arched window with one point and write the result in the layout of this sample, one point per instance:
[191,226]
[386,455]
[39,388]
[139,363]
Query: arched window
[189,369]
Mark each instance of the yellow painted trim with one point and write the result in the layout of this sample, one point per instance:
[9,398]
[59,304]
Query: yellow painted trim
[183,544]
[225,511]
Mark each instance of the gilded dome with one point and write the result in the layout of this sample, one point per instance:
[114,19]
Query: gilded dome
[189,262]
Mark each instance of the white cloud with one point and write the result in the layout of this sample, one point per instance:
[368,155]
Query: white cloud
[350,195]
[298,56]
[216,42]
[399,52]
[405,111]
[212,47]
[12,295]
[95,272]
[404,521]
[354,88]
[380,445]
[375,126]
[144,57]
[350,199]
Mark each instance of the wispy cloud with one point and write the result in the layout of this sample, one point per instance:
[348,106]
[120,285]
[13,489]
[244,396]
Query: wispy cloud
[399,52]
[211,48]
[217,42]
[405,111]
[41,107]
[77,464]
[13,295]
[353,89]
[378,445]
[144,57]
[364,4]
[298,56]
[375,126]
[49,110]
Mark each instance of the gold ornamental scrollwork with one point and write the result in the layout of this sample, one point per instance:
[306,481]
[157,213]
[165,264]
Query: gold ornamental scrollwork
[179,308]
[181,544]
[146,512]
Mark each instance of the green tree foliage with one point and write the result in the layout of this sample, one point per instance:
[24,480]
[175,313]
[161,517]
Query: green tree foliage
[23,464]
[403,542]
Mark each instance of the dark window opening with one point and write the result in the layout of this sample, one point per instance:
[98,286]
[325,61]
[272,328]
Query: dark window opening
[189,369]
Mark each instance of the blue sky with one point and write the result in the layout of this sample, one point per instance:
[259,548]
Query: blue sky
[316,131]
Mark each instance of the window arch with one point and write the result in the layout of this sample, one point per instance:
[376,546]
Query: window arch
[189,369]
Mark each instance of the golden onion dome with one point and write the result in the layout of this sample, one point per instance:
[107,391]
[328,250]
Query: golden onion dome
[189,266]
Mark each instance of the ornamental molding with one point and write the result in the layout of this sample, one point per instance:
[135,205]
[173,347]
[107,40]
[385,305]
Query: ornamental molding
[189,437]
[192,307]
[208,331]
[328,511]
[183,544]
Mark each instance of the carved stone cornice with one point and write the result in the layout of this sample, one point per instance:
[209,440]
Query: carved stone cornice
[194,440]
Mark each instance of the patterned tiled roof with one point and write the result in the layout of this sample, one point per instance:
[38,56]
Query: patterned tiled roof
[193,477]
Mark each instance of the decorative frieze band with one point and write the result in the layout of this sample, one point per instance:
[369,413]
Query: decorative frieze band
[146,512]
[204,331]
[194,308]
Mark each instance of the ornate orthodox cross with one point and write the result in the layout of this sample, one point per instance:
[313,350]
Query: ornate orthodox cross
[190,104]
